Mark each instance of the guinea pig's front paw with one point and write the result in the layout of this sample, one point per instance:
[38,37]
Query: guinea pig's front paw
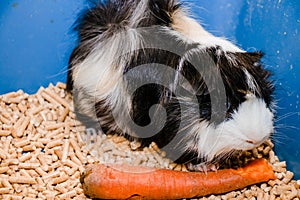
[203,167]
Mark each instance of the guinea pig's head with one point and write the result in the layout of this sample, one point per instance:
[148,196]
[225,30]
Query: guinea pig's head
[249,110]
[248,126]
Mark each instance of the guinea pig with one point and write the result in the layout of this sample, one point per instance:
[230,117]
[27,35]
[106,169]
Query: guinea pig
[148,71]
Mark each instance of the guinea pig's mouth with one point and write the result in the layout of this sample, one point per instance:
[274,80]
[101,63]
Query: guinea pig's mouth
[257,143]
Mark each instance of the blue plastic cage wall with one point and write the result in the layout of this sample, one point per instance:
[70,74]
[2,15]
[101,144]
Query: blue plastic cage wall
[36,41]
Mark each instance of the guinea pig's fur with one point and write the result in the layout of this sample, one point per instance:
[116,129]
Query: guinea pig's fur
[181,114]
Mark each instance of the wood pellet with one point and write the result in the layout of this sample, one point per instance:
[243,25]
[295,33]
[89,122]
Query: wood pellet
[44,149]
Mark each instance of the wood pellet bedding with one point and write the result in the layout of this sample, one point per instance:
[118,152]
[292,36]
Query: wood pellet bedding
[44,150]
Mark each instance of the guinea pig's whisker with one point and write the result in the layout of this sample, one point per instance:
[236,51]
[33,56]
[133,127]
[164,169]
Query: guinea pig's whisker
[285,116]
[286,127]
[279,137]
[63,71]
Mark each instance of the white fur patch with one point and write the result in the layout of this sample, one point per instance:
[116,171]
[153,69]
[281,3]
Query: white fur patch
[140,12]
[192,30]
[250,126]
[101,74]
[105,65]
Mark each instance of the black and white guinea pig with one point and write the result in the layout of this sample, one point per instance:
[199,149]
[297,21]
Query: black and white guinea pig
[147,70]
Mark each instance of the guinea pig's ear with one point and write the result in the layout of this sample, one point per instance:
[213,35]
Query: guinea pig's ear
[251,58]
[256,56]
[251,61]
[255,65]
[257,76]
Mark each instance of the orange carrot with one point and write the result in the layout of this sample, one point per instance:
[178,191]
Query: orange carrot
[133,182]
